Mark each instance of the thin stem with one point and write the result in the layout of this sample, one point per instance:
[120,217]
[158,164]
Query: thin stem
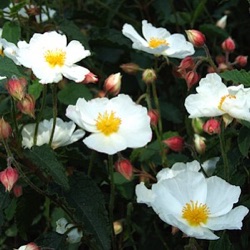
[91,161]
[209,58]
[54,97]
[14,115]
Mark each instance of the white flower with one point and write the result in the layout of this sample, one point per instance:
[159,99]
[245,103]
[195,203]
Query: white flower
[74,235]
[64,134]
[114,124]
[158,41]
[214,98]
[50,58]
[30,246]
[9,50]
[195,204]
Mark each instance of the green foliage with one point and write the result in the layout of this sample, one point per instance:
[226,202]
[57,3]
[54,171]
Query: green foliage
[237,76]
[244,140]
[8,68]
[11,32]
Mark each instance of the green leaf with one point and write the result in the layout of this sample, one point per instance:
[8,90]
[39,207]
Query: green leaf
[11,32]
[72,91]
[210,30]
[223,243]
[8,68]
[35,89]
[198,11]
[45,158]
[87,200]
[237,76]
[244,140]
[170,112]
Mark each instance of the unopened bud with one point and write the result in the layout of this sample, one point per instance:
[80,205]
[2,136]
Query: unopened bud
[16,87]
[227,119]
[197,124]
[228,45]
[90,78]
[125,168]
[211,69]
[175,143]
[199,144]
[222,22]
[9,177]
[241,60]
[223,67]
[5,129]
[117,227]
[196,37]
[30,246]
[112,84]
[212,126]
[187,63]
[149,76]
[27,105]
[220,59]
[154,116]
[130,68]
[17,190]
[191,78]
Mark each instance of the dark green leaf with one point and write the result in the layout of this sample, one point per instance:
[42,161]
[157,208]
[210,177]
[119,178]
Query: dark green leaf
[11,32]
[198,11]
[45,158]
[35,89]
[170,112]
[8,68]
[223,243]
[237,76]
[244,140]
[210,30]
[163,10]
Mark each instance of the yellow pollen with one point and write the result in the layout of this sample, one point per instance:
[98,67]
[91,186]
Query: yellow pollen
[1,53]
[156,42]
[223,98]
[108,123]
[55,57]
[195,213]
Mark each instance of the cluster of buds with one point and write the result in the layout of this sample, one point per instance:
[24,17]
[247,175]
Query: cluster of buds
[125,168]
[175,143]
[112,84]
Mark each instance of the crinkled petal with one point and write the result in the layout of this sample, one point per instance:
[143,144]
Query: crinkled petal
[143,194]
[75,72]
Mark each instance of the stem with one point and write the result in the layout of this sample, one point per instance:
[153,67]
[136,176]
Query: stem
[13,115]
[91,161]
[209,58]
[54,97]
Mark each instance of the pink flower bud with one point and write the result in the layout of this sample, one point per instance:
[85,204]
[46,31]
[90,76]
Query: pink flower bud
[17,87]
[228,45]
[27,105]
[220,59]
[241,60]
[212,126]
[149,76]
[196,37]
[187,63]
[5,129]
[175,143]
[199,144]
[154,116]
[9,177]
[30,246]
[191,78]
[125,168]
[130,68]
[223,67]
[112,84]
[17,190]
[90,78]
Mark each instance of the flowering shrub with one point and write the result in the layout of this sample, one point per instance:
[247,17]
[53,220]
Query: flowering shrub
[124,125]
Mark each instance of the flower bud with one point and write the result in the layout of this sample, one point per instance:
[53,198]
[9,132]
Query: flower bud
[5,129]
[175,143]
[211,69]
[112,84]
[196,37]
[197,124]
[90,78]
[130,68]
[228,45]
[223,67]
[27,105]
[125,168]
[9,177]
[149,76]
[212,126]
[187,63]
[220,59]
[191,78]
[16,87]
[199,143]
[154,116]
[17,190]
[241,60]
[30,246]
[117,227]
[222,22]
[227,119]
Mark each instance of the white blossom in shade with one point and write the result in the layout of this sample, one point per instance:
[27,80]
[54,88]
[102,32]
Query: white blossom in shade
[64,134]
[10,50]
[115,124]
[195,204]
[210,165]
[50,58]
[158,41]
[74,235]
[214,98]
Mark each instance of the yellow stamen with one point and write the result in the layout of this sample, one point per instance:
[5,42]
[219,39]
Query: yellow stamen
[156,42]
[195,213]
[55,57]
[108,123]
[223,98]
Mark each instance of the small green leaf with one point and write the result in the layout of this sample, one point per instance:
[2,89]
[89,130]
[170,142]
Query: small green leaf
[35,89]
[8,68]
[244,140]
[11,32]
[237,76]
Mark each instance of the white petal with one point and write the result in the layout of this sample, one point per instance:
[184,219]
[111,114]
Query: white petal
[143,194]
[75,72]
[210,165]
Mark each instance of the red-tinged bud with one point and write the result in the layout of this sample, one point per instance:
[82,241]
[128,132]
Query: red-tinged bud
[17,88]
[187,63]
[112,84]
[222,22]
[9,177]
[191,78]
[90,78]
[130,68]
[5,129]
[220,59]
[30,246]
[125,168]
[17,190]
[223,67]
[228,45]
[149,76]
[197,38]
[241,60]
[197,124]
[27,105]
[199,144]
[210,69]
[175,143]
[212,126]
[154,116]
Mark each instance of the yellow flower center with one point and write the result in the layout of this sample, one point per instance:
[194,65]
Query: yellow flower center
[55,57]
[156,42]
[108,123]
[1,52]
[223,98]
[195,213]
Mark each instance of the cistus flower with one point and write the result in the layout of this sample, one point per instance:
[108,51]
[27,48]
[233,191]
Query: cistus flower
[30,246]
[175,143]
[64,133]
[50,58]
[228,45]
[196,205]
[74,235]
[212,126]
[5,129]
[158,41]
[112,84]
[214,98]
[10,50]
[9,177]
[27,105]
[125,168]
[16,87]
[197,38]
[115,124]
